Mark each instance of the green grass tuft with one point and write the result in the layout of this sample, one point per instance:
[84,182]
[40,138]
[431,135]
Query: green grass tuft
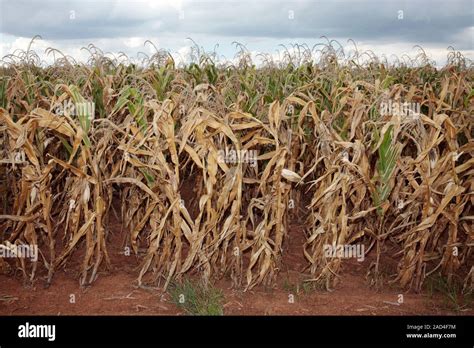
[197,299]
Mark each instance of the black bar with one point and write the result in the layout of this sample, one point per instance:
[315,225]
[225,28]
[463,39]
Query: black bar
[291,331]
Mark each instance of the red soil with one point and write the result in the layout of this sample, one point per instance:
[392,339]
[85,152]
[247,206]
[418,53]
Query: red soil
[115,293]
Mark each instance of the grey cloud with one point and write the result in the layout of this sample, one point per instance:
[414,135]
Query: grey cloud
[424,21]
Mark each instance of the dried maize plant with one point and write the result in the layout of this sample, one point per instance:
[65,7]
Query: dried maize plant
[204,137]
[147,184]
[29,210]
[38,195]
[268,211]
[340,209]
[434,191]
[175,241]
[83,193]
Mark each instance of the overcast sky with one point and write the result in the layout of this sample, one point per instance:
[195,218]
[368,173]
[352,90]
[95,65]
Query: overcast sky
[384,26]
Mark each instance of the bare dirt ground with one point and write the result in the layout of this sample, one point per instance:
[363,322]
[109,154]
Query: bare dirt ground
[115,292]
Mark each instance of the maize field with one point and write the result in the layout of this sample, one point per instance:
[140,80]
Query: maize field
[315,138]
